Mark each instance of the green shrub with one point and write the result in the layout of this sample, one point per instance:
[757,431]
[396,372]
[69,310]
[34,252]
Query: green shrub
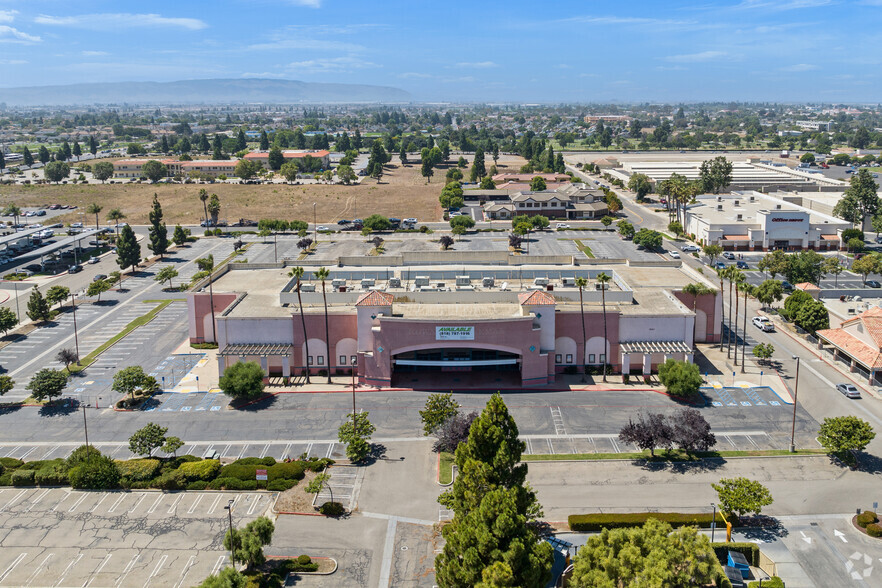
[865,518]
[749,550]
[266,461]
[304,559]
[10,463]
[332,509]
[23,477]
[240,472]
[138,470]
[200,470]
[773,582]
[874,530]
[281,485]
[52,476]
[293,470]
[232,484]
[6,479]
[97,473]
[80,455]
[198,485]
[170,481]
[595,522]
[317,465]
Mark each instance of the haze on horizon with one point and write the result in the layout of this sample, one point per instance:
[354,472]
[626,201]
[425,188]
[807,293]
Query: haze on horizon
[564,51]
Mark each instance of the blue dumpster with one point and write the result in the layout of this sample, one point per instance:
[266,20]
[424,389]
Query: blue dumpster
[737,560]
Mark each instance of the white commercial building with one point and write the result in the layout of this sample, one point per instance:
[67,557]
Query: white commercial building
[751,221]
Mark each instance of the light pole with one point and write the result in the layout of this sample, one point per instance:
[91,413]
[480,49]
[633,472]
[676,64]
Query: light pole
[229,509]
[713,521]
[73,302]
[275,248]
[354,363]
[85,425]
[795,396]
[314,224]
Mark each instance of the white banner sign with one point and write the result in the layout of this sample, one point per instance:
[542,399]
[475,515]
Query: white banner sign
[454,333]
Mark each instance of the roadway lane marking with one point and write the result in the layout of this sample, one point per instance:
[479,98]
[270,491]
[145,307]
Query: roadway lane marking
[98,569]
[12,566]
[127,569]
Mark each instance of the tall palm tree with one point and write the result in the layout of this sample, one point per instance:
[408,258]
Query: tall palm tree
[15,211]
[747,289]
[322,274]
[297,272]
[696,289]
[721,273]
[116,215]
[582,283]
[737,279]
[203,196]
[94,209]
[602,279]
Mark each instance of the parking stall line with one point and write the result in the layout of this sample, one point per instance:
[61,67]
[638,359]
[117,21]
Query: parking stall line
[155,570]
[195,504]
[137,504]
[67,569]
[39,569]
[265,449]
[78,502]
[224,452]
[171,509]
[55,508]
[127,569]
[37,500]
[115,504]
[218,564]
[155,504]
[27,453]
[12,566]
[186,569]
[214,504]
[254,505]
[287,450]
[17,447]
[11,502]
[98,570]
[99,502]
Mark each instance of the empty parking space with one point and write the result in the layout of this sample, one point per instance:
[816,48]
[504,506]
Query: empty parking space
[341,487]
[610,443]
[742,396]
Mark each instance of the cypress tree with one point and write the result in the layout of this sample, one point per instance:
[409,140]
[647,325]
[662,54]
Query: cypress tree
[241,144]
[128,250]
[28,158]
[478,169]
[2,161]
[264,141]
[158,231]
[163,144]
[93,146]
[38,307]
[77,150]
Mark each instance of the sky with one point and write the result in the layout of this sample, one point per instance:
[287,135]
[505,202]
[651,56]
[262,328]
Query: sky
[475,51]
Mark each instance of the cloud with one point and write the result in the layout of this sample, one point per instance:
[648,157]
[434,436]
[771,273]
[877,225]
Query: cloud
[779,5]
[7,15]
[477,64]
[695,57]
[94,53]
[116,21]
[9,34]
[12,62]
[800,67]
[307,3]
[414,75]
[332,65]
[305,45]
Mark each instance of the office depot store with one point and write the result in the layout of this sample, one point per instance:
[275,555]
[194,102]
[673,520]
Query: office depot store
[518,327]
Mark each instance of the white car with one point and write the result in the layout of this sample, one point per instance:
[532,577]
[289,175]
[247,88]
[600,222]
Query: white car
[76,225]
[562,226]
[94,259]
[689,248]
[675,255]
[323,228]
[848,390]
[763,323]
[410,221]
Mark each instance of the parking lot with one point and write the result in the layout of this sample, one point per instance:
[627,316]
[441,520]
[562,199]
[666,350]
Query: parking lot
[63,537]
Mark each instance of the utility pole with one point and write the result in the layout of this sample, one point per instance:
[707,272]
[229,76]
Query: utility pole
[73,301]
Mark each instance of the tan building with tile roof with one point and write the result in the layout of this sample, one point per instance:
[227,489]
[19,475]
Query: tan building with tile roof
[858,341]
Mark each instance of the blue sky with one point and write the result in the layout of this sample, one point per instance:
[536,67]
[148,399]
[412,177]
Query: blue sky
[633,50]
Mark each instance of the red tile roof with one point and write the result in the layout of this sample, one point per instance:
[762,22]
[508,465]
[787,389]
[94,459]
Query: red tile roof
[288,154]
[374,298]
[854,347]
[536,298]
[806,286]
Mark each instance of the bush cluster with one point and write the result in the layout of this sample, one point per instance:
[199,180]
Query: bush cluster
[866,518]
[874,530]
[595,522]
[332,509]
[138,470]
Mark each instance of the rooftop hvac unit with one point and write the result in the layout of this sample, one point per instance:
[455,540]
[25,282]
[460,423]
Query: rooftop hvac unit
[421,280]
[440,285]
[337,282]
[568,281]
[307,288]
[394,282]
[367,282]
[753,198]
[488,282]
[777,207]
[719,198]
[739,217]
[540,281]
[463,280]
[600,286]
[719,207]
[737,203]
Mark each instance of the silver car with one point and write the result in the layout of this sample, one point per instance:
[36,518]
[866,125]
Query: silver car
[849,390]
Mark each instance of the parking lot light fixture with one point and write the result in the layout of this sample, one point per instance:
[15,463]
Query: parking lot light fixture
[713,521]
[229,509]
[795,396]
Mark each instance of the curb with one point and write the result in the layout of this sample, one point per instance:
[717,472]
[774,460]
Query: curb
[301,514]
[722,458]
[336,565]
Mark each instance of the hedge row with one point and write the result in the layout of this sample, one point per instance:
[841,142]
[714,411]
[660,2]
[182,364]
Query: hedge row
[592,523]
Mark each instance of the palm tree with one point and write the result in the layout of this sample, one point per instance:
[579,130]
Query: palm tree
[696,289]
[116,215]
[297,272]
[203,196]
[15,211]
[721,273]
[747,289]
[602,279]
[737,278]
[94,209]
[322,274]
[582,283]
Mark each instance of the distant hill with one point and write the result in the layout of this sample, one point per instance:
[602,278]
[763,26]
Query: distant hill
[201,92]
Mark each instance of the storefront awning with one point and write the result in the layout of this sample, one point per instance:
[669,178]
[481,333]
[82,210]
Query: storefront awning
[829,237]
[736,238]
[456,362]
[259,349]
[655,347]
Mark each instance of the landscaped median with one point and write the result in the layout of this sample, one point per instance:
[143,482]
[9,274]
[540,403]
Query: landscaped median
[672,456]
[596,522]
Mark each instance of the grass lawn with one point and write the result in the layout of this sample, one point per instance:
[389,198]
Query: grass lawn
[583,248]
[675,455]
[445,476]
[402,192]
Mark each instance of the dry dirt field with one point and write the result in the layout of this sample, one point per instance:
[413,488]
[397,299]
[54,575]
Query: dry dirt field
[403,192]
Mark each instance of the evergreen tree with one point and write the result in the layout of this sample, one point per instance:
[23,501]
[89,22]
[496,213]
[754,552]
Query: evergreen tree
[28,158]
[241,144]
[77,150]
[217,144]
[402,155]
[38,307]
[343,144]
[356,141]
[158,231]
[179,237]
[93,146]
[128,250]
[65,148]
[559,165]
[2,161]
[298,139]
[549,159]
[478,169]
[493,508]
[163,145]
[44,155]
[276,158]
[204,147]
[264,141]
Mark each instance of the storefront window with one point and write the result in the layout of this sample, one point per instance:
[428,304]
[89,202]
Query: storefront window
[557,358]
[309,360]
[342,360]
[591,358]
[569,358]
[321,359]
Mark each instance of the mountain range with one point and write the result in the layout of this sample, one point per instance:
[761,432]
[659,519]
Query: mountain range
[210,91]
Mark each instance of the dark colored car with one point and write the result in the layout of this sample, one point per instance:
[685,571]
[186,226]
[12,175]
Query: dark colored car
[99,277]
[342,221]
[75,269]
[786,285]
[741,265]
[873,284]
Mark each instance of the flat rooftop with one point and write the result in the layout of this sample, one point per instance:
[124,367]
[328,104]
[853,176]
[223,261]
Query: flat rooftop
[456,311]
[708,207]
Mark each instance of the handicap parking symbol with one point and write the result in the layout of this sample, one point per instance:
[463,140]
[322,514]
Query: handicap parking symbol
[774,403]
[717,403]
[213,408]
[186,408]
[745,403]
